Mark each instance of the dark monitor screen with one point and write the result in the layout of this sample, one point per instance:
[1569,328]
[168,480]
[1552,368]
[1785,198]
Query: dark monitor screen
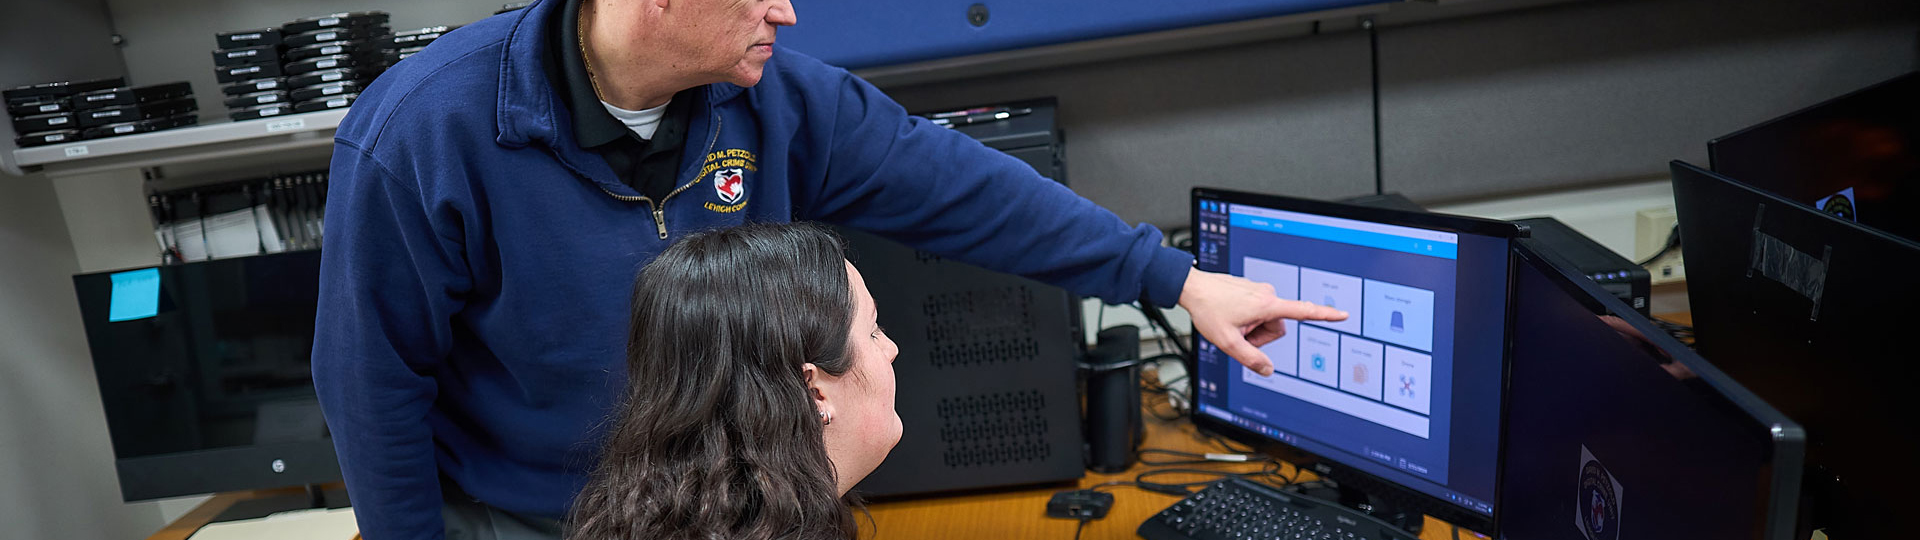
[205,376]
[1856,156]
[1406,392]
[1615,431]
[1812,313]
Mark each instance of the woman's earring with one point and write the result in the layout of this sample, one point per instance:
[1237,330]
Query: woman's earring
[826,418]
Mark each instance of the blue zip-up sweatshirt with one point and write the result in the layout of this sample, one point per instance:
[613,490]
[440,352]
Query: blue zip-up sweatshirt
[478,263]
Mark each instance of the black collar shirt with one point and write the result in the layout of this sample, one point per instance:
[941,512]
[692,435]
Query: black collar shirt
[649,166]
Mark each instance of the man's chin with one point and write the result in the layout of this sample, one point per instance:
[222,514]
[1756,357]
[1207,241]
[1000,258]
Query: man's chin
[747,74]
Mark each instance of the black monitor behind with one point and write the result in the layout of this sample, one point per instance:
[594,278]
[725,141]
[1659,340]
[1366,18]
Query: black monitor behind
[1616,431]
[1811,313]
[986,374]
[1867,141]
[212,392]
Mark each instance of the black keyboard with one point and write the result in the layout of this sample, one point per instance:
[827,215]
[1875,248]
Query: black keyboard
[1237,509]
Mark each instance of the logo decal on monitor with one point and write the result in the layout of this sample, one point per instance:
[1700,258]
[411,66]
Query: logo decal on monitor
[1596,505]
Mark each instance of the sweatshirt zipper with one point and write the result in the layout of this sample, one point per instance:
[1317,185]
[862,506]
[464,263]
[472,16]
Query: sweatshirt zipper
[660,209]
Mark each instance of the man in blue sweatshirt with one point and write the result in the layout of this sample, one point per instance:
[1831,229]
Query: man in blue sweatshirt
[494,196]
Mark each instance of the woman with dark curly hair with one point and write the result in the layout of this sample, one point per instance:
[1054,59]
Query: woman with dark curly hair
[760,389]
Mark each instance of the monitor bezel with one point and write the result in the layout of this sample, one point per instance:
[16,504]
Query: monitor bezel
[1789,439]
[1329,466]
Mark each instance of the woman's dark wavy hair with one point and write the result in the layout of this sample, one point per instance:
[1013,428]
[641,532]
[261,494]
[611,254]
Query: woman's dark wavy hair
[717,435]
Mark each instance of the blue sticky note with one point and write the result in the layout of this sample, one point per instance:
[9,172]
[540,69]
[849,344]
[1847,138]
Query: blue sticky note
[136,295]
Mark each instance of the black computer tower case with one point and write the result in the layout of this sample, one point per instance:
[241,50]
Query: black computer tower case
[986,372]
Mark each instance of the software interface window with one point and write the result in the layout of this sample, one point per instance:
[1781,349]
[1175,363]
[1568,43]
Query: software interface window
[1377,386]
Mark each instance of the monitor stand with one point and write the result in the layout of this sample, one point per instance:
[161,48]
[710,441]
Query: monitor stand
[1358,499]
[313,498]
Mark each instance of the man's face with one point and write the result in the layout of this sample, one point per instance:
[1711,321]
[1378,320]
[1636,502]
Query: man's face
[730,40]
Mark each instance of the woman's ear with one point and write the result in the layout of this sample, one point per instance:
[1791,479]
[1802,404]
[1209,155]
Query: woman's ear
[814,378]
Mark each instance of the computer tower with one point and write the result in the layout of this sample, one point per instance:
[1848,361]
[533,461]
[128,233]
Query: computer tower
[1566,247]
[986,372]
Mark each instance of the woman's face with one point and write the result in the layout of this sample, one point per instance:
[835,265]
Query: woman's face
[864,426]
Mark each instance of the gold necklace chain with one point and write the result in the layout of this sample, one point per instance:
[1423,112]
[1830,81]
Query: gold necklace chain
[581,36]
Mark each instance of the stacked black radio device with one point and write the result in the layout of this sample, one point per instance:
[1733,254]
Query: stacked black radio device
[405,43]
[310,64]
[59,112]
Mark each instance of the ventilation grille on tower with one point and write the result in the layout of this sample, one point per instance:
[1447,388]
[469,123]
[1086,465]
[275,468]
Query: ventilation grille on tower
[980,327]
[993,429]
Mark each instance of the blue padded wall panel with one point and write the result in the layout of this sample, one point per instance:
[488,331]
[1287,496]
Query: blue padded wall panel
[865,33]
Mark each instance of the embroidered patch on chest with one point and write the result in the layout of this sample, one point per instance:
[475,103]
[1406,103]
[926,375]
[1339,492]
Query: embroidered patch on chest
[729,170]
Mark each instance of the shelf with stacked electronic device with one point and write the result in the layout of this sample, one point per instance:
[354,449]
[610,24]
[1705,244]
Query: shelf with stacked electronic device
[109,112]
[44,113]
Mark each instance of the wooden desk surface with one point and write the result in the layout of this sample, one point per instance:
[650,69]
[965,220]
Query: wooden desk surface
[191,522]
[1017,513]
[1022,513]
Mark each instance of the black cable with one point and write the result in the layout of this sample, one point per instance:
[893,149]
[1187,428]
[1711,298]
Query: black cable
[1196,458]
[1078,528]
[1269,469]
[1159,318]
[1673,242]
[1226,444]
[1156,386]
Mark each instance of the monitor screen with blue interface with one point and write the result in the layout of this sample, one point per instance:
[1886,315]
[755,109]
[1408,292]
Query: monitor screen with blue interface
[1407,388]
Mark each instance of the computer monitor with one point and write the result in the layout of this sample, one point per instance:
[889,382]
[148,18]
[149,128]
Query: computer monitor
[1814,314]
[205,376]
[1856,156]
[1403,398]
[1616,431]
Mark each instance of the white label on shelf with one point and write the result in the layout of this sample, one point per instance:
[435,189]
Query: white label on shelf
[332,76]
[57,137]
[327,64]
[269,98]
[50,107]
[77,151]
[336,102]
[284,125]
[333,49]
[331,90]
[246,37]
[101,97]
[56,121]
[245,70]
[329,21]
[121,130]
[329,36]
[243,54]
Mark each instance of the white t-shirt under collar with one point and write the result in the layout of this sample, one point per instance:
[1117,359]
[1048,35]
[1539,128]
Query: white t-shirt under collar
[643,123]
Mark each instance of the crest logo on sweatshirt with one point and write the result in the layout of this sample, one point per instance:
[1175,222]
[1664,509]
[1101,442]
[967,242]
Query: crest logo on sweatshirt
[729,184]
[728,169]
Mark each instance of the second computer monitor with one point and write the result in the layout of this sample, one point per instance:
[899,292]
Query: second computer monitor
[1615,431]
[1402,396]
[1815,315]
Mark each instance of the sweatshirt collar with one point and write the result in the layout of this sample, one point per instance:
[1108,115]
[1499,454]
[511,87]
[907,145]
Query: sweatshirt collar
[531,107]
